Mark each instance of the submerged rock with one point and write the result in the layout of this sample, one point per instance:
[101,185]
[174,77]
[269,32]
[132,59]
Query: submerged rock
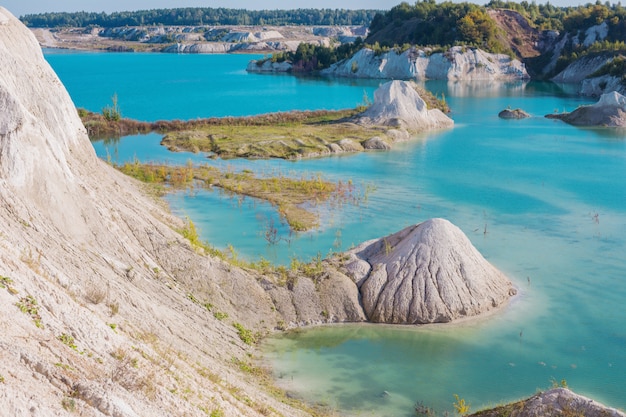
[609,111]
[513,114]
[398,104]
[426,273]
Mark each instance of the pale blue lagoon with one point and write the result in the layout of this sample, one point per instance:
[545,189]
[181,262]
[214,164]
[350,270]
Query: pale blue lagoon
[543,201]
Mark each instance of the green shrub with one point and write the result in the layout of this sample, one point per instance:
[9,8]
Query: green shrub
[245,335]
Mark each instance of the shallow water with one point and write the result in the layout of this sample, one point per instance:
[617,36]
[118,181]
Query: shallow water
[543,201]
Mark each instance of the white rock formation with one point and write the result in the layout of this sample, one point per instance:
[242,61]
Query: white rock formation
[427,273]
[555,402]
[596,86]
[582,68]
[609,111]
[456,64]
[596,33]
[268,66]
[397,104]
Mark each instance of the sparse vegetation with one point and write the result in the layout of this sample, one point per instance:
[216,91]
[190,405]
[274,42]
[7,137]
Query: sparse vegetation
[95,293]
[245,335]
[68,340]
[6,282]
[28,305]
[114,308]
[220,315]
[615,68]
[287,194]
[112,113]
[461,407]
[558,384]
[422,410]
[68,404]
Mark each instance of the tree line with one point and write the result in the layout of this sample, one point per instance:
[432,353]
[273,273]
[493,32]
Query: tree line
[428,23]
[202,16]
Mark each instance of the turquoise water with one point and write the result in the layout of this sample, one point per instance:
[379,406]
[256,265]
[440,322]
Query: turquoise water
[543,201]
[168,86]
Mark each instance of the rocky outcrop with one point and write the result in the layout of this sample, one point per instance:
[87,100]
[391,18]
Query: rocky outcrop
[582,68]
[398,105]
[328,298]
[513,114]
[268,66]
[427,273]
[596,86]
[457,63]
[555,402]
[609,111]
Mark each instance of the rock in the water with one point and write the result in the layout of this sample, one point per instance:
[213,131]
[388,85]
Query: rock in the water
[555,402]
[376,143]
[513,114]
[609,111]
[427,273]
[397,104]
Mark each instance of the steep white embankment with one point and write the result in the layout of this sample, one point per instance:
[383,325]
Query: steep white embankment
[455,64]
[100,302]
[427,273]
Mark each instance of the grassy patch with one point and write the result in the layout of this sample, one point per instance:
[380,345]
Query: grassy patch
[282,135]
[5,282]
[245,335]
[287,194]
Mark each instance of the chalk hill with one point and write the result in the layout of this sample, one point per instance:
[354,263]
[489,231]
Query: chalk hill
[427,273]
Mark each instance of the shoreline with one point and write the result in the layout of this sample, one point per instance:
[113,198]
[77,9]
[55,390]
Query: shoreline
[239,39]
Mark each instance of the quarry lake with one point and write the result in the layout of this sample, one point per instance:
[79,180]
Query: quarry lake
[543,201]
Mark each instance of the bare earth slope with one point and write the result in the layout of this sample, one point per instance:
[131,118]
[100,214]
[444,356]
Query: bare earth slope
[97,303]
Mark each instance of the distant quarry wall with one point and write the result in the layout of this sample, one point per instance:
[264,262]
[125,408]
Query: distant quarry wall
[457,63]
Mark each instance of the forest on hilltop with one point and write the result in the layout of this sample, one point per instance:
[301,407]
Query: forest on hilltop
[196,16]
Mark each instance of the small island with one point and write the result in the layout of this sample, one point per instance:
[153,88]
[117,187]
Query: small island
[400,110]
[609,111]
[513,114]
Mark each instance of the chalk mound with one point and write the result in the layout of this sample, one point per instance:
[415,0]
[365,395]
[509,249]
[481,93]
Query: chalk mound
[609,111]
[426,273]
[398,104]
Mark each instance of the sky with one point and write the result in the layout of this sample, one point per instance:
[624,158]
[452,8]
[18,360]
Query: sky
[22,7]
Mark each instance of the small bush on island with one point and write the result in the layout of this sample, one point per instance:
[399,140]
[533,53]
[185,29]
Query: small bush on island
[113,112]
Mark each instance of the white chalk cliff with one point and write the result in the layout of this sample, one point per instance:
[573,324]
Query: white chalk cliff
[455,64]
[427,273]
[101,301]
